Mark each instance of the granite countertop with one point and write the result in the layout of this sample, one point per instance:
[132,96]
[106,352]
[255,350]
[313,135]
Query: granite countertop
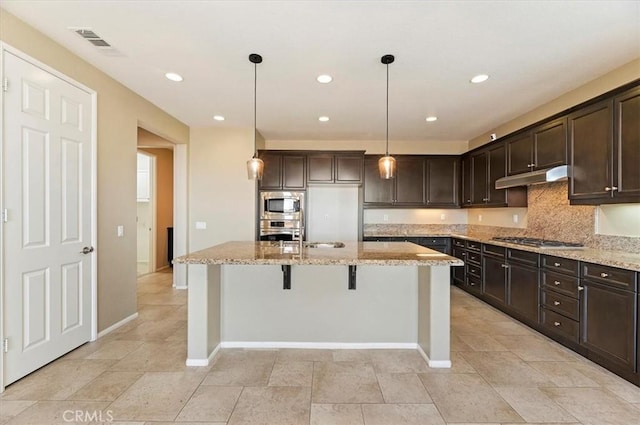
[621,259]
[353,253]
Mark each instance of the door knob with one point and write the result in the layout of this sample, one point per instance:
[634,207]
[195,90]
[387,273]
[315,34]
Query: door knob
[556,303]
[87,250]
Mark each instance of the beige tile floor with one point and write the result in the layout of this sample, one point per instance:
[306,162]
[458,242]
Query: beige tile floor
[503,373]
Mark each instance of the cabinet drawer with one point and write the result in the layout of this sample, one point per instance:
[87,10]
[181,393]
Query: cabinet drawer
[496,251]
[474,284]
[567,306]
[474,270]
[459,243]
[523,257]
[560,324]
[474,257]
[563,265]
[625,279]
[474,245]
[566,285]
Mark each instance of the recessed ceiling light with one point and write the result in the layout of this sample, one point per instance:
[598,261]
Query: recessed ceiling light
[324,78]
[173,76]
[432,119]
[218,117]
[481,78]
[323,119]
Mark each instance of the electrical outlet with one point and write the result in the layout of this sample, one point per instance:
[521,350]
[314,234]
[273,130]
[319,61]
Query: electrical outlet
[443,217]
[515,218]
[201,225]
[120,230]
[479,217]
[385,217]
[326,216]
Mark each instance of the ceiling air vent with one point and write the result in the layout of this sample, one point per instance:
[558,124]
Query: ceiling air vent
[92,37]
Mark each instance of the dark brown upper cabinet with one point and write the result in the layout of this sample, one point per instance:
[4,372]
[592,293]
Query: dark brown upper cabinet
[421,181]
[486,166]
[284,171]
[604,141]
[466,180]
[335,167]
[409,187]
[442,183]
[627,146]
[542,147]
[377,191]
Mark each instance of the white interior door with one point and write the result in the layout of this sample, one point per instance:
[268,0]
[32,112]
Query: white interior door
[47,191]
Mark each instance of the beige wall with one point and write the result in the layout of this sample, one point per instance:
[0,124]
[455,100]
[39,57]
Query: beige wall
[120,111]
[164,201]
[220,194]
[616,78]
[396,147]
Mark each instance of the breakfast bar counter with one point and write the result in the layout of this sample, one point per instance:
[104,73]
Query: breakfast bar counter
[354,295]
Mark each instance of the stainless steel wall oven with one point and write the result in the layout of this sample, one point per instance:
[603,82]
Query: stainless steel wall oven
[281,216]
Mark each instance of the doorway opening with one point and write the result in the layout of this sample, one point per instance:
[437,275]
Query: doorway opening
[145,213]
[155,219]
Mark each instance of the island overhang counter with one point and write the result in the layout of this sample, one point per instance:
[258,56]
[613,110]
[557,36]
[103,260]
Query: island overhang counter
[361,295]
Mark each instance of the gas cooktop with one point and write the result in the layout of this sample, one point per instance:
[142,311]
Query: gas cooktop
[539,243]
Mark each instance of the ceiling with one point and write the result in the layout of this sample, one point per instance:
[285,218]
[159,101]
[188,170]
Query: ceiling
[534,51]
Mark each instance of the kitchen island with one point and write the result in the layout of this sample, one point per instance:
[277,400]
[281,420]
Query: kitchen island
[360,295]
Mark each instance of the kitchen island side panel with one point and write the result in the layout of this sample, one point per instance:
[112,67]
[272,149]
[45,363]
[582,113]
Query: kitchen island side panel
[203,313]
[319,308]
[434,316]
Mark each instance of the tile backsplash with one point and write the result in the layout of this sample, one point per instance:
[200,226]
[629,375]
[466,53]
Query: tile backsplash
[549,216]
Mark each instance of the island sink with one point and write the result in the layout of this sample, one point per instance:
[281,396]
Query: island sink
[324,244]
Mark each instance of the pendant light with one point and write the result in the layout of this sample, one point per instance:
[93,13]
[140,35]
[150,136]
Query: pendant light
[387,164]
[255,166]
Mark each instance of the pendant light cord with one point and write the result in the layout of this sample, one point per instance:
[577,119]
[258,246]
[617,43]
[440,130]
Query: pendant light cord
[387,147]
[255,108]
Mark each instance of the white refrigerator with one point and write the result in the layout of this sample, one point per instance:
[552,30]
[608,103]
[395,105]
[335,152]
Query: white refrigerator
[332,213]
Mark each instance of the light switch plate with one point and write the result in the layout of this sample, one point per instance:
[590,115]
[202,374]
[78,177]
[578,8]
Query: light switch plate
[201,225]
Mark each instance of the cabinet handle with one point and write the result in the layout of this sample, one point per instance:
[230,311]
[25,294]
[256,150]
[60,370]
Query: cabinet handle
[611,189]
[472,284]
[557,264]
[464,254]
[580,288]
[505,266]
[614,187]
[556,282]
[556,323]
[556,303]
[604,274]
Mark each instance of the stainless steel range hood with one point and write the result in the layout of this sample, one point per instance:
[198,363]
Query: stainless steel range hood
[534,177]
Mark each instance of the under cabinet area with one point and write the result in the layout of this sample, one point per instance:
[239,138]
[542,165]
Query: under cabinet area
[590,308]
[441,244]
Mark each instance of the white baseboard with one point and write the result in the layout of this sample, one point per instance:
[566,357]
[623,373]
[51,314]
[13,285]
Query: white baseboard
[204,362]
[117,325]
[321,345]
[180,287]
[436,364]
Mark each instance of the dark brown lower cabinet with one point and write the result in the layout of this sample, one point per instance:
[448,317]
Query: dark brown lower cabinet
[494,279]
[609,326]
[522,290]
[457,273]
